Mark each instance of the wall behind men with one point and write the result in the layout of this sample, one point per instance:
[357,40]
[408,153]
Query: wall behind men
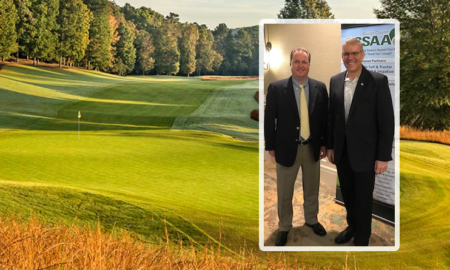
[322,40]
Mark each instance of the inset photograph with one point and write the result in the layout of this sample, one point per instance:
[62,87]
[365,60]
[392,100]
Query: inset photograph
[329,177]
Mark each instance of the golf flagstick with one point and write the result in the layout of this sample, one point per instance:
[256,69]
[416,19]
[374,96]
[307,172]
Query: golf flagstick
[79,117]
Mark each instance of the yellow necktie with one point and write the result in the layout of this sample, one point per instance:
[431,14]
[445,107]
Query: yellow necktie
[304,116]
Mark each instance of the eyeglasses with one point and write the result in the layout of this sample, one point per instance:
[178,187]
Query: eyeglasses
[354,54]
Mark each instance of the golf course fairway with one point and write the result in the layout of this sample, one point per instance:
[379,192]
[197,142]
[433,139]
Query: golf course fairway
[157,152]
[128,168]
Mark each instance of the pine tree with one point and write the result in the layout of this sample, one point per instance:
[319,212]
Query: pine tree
[424,60]
[144,18]
[207,58]
[125,51]
[239,53]
[74,21]
[8,36]
[242,52]
[167,55]
[188,42]
[98,51]
[253,63]
[305,9]
[41,34]
[23,25]
[220,34]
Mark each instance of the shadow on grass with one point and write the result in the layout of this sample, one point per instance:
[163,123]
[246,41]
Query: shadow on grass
[28,112]
[60,205]
[63,73]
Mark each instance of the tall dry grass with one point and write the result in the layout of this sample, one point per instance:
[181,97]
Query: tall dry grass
[32,245]
[409,133]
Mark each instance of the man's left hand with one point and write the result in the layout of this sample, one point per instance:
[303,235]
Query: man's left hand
[380,166]
[323,152]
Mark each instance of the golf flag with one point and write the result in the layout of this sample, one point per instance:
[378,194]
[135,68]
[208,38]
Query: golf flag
[79,114]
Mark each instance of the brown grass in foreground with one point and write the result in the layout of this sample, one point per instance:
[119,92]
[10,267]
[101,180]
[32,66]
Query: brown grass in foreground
[225,78]
[409,133]
[31,245]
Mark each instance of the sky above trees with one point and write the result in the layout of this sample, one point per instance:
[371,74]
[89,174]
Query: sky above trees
[239,13]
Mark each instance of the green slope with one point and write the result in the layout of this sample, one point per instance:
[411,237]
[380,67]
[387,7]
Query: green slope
[141,176]
[128,165]
[424,216]
[50,98]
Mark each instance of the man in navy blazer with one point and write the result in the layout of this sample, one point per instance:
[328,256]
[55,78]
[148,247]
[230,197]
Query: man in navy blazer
[295,124]
[360,136]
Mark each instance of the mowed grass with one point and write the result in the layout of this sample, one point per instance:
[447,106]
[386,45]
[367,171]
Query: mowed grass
[143,176]
[50,98]
[424,216]
[129,170]
[225,111]
[158,104]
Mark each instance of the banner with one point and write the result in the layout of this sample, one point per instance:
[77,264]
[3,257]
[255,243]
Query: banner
[379,47]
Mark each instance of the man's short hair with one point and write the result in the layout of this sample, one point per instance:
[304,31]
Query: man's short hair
[301,49]
[353,41]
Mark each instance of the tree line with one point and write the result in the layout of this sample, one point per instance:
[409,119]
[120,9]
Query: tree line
[424,61]
[100,35]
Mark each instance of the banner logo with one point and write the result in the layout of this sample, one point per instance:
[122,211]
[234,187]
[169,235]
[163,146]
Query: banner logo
[378,38]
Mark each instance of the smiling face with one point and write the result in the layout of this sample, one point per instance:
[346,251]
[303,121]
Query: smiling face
[353,63]
[300,66]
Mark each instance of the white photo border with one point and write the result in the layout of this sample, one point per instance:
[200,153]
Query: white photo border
[396,135]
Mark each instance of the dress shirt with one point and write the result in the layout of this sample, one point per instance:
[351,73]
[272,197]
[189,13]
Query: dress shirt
[349,91]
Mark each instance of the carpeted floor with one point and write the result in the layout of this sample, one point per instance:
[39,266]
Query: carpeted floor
[331,216]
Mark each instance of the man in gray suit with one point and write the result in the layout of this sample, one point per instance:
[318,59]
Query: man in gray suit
[295,124]
[360,136]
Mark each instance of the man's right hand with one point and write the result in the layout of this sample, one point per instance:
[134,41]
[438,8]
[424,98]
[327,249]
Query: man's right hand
[272,153]
[330,155]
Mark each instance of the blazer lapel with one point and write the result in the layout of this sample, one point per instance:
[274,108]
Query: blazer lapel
[312,95]
[289,91]
[340,94]
[359,91]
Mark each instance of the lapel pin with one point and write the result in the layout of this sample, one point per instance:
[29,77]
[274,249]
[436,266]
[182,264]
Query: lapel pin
[362,84]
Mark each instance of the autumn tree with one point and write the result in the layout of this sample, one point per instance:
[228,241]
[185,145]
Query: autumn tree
[145,50]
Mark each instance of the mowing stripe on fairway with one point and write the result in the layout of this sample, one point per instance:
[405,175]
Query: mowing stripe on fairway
[193,179]
[226,110]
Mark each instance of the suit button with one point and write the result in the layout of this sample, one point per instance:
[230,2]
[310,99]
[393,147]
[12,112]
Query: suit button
[296,140]
[298,128]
